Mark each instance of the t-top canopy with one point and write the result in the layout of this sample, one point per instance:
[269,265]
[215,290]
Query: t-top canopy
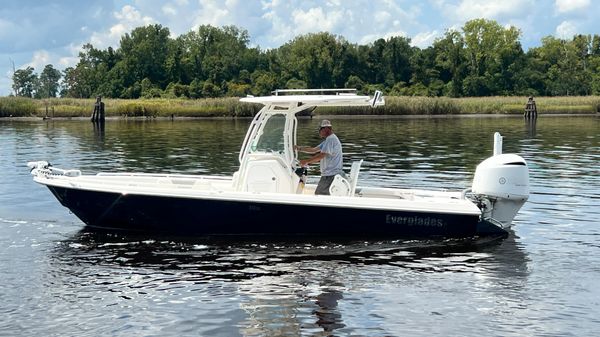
[338,97]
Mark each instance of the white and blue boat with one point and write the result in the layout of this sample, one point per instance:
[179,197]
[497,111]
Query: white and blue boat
[268,195]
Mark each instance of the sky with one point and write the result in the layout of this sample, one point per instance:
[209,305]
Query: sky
[37,33]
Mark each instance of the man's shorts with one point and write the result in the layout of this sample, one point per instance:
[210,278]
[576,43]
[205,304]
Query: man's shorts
[323,186]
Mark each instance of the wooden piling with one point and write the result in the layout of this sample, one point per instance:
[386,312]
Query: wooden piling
[530,109]
[98,114]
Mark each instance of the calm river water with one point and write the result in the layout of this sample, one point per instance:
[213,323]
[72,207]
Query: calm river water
[58,279]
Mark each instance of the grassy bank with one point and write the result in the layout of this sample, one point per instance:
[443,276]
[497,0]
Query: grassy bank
[231,107]
[404,105]
[73,107]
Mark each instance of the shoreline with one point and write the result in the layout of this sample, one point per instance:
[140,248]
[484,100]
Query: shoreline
[231,107]
[327,116]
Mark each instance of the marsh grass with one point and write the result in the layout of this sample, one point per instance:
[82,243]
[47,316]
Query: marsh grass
[17,107]
[400,105]
[404,105]
[516,105]
[232,107]
[210,107]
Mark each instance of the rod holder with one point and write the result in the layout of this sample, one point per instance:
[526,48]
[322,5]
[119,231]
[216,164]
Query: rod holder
[497,144]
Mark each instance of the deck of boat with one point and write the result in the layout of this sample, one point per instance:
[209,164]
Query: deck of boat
[221,188]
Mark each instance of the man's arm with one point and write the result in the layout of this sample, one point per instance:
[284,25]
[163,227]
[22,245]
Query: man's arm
[314,159]
[307,149]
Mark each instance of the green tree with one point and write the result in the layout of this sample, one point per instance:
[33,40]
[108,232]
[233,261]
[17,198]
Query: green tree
[566,64]
[594,64]
[582,46]
[385,62]
[24,81]
[144,54]
[531,80]
[321,60]
[176,90]
[235,89]
[49,82]
[396,60]
[210,89]
[295,83]
[355,82]
[216,54]
[90,73]
[115,83]
[174,69]
[487,45]
[450,60]
[149,89]
[425,72]
[195,88]
[595,69]
[263,83]
[483,58]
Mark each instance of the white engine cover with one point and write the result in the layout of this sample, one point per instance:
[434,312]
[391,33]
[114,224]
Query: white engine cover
[502,176]
[504,181]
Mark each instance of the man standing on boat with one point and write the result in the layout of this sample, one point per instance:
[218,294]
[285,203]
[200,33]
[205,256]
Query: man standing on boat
[328,153]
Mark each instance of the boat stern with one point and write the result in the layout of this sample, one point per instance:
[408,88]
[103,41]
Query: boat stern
[501,185]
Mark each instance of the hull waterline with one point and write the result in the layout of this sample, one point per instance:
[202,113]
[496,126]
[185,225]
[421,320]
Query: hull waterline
[192,216]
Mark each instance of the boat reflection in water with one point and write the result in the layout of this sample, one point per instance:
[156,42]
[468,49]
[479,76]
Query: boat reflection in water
[282,287]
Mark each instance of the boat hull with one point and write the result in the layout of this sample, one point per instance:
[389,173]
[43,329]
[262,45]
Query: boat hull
[203,216]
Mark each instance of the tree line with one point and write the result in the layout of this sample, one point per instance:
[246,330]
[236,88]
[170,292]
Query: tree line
[482,59]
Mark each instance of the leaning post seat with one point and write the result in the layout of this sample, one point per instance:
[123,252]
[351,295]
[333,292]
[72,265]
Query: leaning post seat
[346,186]
[354,170]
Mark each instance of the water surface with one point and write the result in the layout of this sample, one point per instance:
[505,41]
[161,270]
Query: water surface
[59,279]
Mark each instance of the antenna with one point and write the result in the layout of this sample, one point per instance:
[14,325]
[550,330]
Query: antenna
[376,98]
[13,73]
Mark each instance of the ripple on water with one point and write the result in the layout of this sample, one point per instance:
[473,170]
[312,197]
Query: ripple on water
[56,279]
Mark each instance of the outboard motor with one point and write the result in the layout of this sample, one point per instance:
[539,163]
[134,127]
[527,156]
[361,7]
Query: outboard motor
[501,185]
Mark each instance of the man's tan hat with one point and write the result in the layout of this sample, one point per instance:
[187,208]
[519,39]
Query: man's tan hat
[325,123]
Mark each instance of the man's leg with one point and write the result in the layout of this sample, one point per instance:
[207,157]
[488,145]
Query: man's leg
[323,186]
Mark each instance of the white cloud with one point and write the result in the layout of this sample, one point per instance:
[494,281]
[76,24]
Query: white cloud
[373,37]
[564,6]
[285,22]
[67,61]
[566,30]
[472,9]
[212,13]
[424,39]
[382,16]
[309,21]
[357,21]
[279,31]
[40,59]
[131,16]
[169,10]
[127,18]
[316,20]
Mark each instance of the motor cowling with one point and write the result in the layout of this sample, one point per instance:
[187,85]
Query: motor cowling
[503,176]
[504,181]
